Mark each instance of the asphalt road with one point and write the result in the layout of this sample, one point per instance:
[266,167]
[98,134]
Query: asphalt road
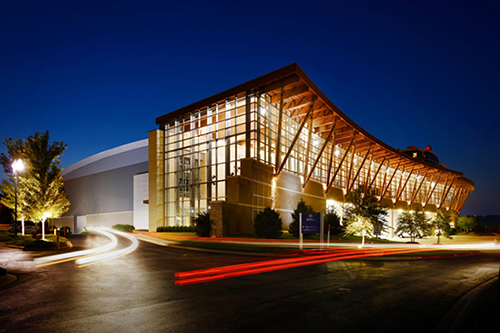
[136,293]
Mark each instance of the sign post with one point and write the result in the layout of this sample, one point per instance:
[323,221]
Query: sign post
[311,223]
[328,239]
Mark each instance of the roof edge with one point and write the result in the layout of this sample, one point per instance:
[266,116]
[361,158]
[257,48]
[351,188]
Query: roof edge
[107,153]
[274,75]
[293,68]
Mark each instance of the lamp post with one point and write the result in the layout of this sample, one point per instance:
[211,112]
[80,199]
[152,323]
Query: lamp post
[17,166]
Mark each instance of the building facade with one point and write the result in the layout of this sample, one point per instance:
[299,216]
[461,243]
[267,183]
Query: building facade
[272,141]
[108,188]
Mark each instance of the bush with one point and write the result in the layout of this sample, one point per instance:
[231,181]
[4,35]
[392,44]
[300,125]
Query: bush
[203,225]
[124,227]
[302,207]
[182,228]
[268,224]
[3,272]
[331,218]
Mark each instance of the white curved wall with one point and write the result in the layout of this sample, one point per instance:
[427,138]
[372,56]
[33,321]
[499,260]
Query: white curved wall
[101,187]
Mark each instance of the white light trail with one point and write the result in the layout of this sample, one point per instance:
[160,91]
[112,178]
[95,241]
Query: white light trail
[72,255]
[469,246]
[113,254]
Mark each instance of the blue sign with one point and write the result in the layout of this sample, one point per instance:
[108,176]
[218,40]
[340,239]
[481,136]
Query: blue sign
[311,223]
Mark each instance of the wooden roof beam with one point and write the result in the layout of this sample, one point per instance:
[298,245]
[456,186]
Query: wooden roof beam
[301,110]
[269,88]
[340,164]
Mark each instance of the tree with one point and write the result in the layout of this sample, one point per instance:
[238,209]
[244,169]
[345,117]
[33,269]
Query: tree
[363,213]
[302,207]
[203,225]
[440,226]
[268,224]
[332,219]
[415,224]
[467,223]
[41,192]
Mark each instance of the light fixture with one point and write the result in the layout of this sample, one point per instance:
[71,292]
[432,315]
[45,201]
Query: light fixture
[17,166]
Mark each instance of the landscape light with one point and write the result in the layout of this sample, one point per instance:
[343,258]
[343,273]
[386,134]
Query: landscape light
[45,216]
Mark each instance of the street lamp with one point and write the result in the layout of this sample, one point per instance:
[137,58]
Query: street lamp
[17,166]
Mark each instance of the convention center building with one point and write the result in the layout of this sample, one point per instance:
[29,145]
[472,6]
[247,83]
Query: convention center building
[273,141]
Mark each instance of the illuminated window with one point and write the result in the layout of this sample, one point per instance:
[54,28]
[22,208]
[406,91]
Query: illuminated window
[414,155]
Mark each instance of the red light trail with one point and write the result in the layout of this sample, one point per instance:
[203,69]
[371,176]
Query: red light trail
[226,272]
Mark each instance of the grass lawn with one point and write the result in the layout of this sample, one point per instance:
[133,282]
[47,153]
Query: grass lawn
[19,240]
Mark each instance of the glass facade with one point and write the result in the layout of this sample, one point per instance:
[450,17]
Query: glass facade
[205,146]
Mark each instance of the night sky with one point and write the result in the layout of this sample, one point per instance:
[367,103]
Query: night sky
[97,74]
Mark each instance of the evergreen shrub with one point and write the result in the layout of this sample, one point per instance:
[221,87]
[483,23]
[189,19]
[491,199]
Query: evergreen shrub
[332,218]
[302,207]
[203,225]
[268,224]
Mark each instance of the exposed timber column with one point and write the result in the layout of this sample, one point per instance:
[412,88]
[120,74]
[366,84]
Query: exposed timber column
[156,167]
[248,101]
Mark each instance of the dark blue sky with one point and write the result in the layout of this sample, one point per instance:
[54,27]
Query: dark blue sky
[96,74]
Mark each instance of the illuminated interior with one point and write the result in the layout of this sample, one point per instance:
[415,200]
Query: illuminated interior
[284,121]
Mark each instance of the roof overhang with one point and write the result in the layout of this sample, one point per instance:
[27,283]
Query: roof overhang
[299,94]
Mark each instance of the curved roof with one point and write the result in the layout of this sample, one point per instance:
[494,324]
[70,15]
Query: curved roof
[122,156]
[300,93]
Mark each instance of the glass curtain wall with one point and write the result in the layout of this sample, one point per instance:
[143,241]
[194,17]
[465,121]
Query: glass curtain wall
[202,148]
[206,146]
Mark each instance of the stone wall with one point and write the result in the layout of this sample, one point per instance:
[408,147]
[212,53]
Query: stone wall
[257,188]
[156,179]
[230,218]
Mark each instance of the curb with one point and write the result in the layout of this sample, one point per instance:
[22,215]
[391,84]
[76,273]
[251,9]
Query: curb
[173,244]
[7,279]
[454,319]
